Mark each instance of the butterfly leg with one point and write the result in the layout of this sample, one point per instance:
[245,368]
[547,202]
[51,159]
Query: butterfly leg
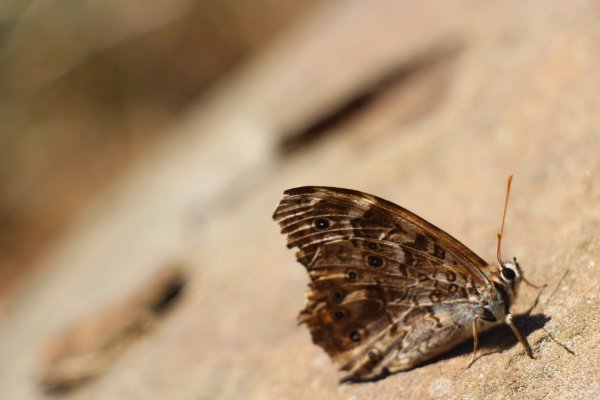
[475,338]
[520,338]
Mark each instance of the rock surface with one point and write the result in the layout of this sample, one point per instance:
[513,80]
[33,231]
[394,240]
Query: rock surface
[477,90]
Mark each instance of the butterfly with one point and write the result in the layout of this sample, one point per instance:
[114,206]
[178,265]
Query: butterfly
[389,290]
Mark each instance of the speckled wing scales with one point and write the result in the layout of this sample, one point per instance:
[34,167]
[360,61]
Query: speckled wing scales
[383,280]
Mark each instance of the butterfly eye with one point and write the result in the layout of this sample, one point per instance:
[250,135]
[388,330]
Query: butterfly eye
[508,274]
[321,223]
[374,261]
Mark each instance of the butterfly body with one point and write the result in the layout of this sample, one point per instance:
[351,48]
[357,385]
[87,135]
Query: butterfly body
[388,289]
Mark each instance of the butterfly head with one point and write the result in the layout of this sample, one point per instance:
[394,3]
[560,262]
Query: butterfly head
[510,272]
[505,278]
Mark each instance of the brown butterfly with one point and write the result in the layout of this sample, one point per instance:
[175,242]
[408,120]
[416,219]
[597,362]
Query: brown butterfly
[388,289]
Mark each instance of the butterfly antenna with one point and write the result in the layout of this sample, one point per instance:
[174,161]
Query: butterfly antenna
[500,233]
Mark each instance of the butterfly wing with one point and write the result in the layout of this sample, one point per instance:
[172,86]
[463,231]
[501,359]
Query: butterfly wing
[385,283]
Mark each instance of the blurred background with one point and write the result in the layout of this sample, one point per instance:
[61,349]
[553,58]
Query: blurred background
[86,87]
[145,144]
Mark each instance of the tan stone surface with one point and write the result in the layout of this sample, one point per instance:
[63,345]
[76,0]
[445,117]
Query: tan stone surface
[518,92]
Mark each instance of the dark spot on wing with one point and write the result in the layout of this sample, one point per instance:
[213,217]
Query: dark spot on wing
[321,223]
[438,251]
[374,261]
[420,242]
[351,275]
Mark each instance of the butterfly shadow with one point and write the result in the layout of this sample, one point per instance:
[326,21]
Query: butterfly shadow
[498,339]
[501,338]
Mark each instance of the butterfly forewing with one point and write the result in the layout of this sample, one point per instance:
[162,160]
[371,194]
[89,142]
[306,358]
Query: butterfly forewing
[383,280]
